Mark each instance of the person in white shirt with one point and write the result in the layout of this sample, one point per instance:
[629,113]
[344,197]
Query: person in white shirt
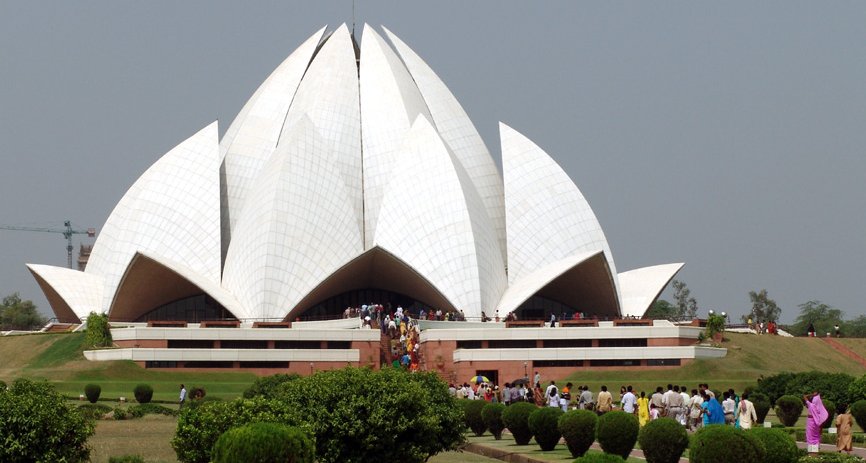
[746,415]
[665,399]
[729,406]
[552,395]
[695,420]
[182,395]
[685,415]
[675,405]
[628,401]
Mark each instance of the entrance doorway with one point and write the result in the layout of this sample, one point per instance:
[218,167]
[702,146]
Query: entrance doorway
[492,375]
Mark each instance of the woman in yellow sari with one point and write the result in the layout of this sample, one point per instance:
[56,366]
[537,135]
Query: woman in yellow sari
[643,409]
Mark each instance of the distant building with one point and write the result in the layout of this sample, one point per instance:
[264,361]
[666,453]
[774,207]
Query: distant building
[83,255]
[346,181]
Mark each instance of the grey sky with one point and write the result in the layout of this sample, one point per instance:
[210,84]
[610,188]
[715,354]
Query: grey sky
[727,135]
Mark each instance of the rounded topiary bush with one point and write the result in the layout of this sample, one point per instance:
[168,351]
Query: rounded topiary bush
[779,445]
[472,416]
[762,405]
[788,409]
[663,441]
[516,419]
[599,458]
[578,429]
[724,444]
[264,442]
[143,393]
[858,410]
[544,425]
[492,416]
[617,432]
[92,391]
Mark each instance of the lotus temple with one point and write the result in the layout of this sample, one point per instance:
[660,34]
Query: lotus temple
[354,178]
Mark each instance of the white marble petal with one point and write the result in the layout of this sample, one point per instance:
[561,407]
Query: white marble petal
[173,209]
[390,102]
[252,137]
[297,229]
[641,287]
[76,291]
[430,220]
[547,217]
[461,136]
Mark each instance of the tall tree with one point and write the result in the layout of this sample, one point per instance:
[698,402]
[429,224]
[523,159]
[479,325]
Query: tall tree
[16,314]
[764,309]
[687,306]
[662,310]
[821,315]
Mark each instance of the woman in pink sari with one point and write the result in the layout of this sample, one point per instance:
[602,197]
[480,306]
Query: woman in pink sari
[817,416]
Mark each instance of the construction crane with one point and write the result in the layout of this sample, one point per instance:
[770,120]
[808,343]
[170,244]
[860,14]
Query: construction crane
[67,233]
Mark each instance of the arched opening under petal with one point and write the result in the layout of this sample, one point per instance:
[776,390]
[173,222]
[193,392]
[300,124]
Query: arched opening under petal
[151,289]
[376,271]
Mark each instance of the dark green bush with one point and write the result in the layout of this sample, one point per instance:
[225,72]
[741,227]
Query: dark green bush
[725,444]
[143,393]
[137,411]
[120,414]
[779,445]
[617,432]
[858,410]
[197,402]
[363,415]
[199,428]
[472,416]
[92,391]
[762,405]
[38,424]
[197,393]
[265,442]
[856,390]
[831,458]
[516,419]
[663,441]
[126,459]
[788,409]
[599,458]
[3,386]
[578,429]
[492,416]
[836,387]
[267,386]
[544,425]
[94,411]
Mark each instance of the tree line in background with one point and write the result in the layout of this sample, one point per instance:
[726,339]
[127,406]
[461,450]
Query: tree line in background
[16,314]
[823,317]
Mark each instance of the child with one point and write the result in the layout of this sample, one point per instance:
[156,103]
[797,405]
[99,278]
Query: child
[654,412]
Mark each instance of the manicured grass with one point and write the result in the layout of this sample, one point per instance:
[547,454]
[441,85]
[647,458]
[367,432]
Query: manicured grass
[749,357]
[67,348]
[560,453]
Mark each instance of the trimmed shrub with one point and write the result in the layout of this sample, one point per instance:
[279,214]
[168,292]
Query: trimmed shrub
[492,416]
[723,444]
[544,425]
[137,411]
[264,442]
[831,412]
[663,441]
[516,419]
[362,415]
[578,429]
[788,409]
[779,445]
[94,411]
[92,391]
[120,414]
[267,386]
[831,458]
[858,410]
[599,458]
[762,405]
[38,424]
[856,390]
[617,432]
[198,402]
[97,333]
[472,416]
[126,459]
[3,386]
[143,393]
[833,386]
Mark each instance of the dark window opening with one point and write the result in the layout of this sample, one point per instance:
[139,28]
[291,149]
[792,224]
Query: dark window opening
[622,342]
[193,309]
[614,363]
[239,344]
[568,343]
[160,364]
[190,344]
[339,344]
[512,344]
[557,363]
[663,362]
[469,344]
[297,345]
[207,364]
[265,364]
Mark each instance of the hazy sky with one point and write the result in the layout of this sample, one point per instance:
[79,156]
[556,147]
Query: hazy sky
[727,135]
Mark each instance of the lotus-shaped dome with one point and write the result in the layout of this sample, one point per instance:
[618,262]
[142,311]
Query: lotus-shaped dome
[352,172]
